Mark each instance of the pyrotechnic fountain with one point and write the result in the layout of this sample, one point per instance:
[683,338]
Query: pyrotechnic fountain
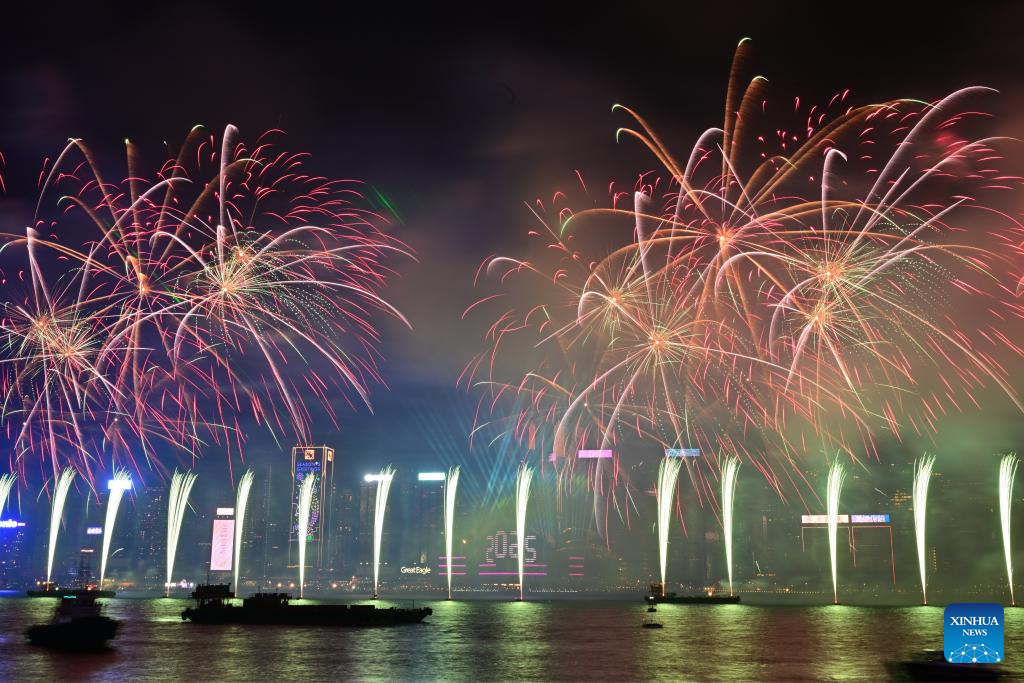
[177,502]
[6,484]
[668,473]
[60,495]
[305,500]
[729,471]
[379,510]
[922,475]
[451,483]
[836,475]
[120,484]
[241,500]
[522,498]
[1007,470]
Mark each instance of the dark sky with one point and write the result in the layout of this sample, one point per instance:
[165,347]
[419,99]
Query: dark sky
[459,115]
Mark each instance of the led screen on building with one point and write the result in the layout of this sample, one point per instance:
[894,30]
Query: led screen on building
[222,551]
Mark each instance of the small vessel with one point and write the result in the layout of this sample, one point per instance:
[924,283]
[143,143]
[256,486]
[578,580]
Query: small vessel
[647,623]
[213,607]
[709,597]
[652,608]
[931,665]
[78,624]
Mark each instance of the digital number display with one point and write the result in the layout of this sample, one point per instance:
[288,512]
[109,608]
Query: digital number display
[504,545]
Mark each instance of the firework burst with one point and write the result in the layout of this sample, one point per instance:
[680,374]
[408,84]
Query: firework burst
[167,310]
[764,297]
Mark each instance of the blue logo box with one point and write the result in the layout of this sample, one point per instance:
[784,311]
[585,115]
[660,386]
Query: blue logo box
[973,633]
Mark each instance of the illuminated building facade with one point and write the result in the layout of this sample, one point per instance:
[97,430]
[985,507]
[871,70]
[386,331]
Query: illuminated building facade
[13,565]
[318,462]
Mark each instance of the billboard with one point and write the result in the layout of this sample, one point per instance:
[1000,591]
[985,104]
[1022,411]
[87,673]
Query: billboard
[870,519]
[309,462]
[598,454]
[847,519]
[430,476]
[682,452]
[222,550]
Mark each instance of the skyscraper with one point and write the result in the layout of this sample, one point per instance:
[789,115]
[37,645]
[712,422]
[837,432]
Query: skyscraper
[312,461]
[151,537]
[427,523]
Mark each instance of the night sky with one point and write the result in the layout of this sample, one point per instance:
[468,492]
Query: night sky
[459,117]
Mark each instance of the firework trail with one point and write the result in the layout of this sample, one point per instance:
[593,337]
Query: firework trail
[730,470]
[763,295]
[668,474]
[177,504]
[1007,471]
[523,480]
[922,475]
[451,485]
[114,496]
[62,485]
[174,319]
[379,510]
[6,484]
[305,500]
[241,502]
[836,475]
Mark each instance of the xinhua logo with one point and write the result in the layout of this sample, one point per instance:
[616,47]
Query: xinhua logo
[973,633]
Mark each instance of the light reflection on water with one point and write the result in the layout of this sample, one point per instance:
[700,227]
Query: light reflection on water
[499,641]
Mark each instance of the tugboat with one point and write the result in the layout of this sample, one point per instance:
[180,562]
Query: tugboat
[77,625]
[656,596]
[213,607]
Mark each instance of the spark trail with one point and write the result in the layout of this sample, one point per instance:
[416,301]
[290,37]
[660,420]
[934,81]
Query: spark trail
[451,484]
[60,496]
[6,484]
[523,480]
[114,497]
[241,501]
[668,474]
[379,510]
[177,503]
[1007,471]
[729,472]
[305,501]
[836,475]
[922,475]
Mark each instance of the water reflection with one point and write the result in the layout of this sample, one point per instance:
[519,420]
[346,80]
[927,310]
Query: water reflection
[501,640]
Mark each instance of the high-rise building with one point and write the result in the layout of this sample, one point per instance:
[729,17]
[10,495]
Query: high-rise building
[151,537]
[427,523]
[344,546]
[13,567]
[318,462]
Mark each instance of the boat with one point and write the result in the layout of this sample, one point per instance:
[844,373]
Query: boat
[647,623]
[652,608]
[78,624]
[214,606]
[931,665]
[656,595]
